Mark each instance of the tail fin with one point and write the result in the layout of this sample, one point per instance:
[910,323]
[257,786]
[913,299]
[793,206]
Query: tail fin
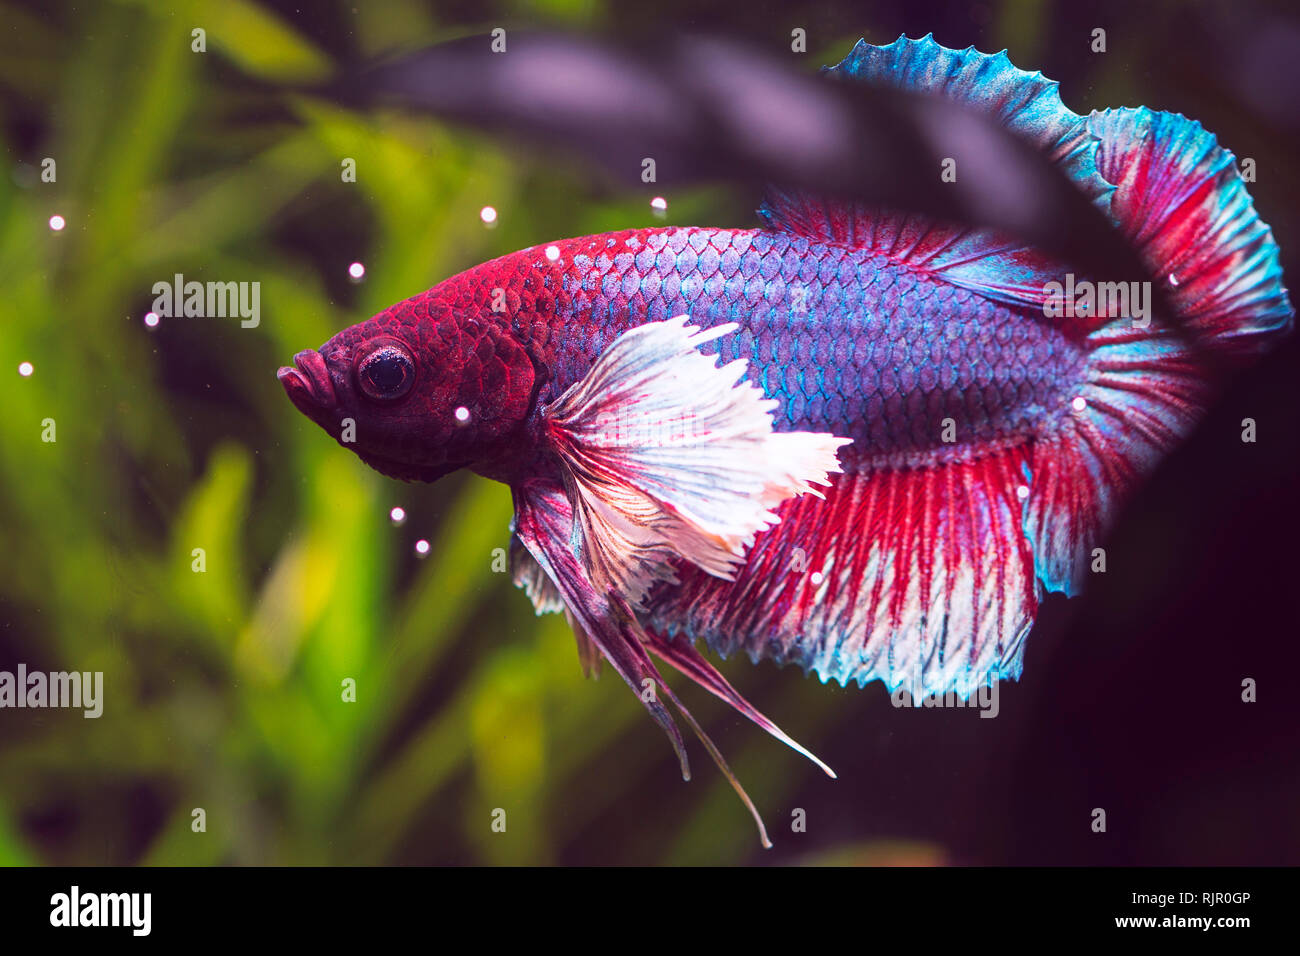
[1181,201]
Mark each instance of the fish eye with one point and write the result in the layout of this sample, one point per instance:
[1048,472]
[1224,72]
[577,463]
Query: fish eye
[386,372]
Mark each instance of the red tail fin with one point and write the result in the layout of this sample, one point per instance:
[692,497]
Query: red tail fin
[1181,201]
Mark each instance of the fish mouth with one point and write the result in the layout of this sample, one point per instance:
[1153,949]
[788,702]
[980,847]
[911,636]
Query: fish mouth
[308,384]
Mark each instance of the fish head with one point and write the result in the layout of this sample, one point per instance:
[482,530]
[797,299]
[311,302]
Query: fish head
[420,390]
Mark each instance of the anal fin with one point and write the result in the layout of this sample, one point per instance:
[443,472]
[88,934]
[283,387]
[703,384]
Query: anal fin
[921,578]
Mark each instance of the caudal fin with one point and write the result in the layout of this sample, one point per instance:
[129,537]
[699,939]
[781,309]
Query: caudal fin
[928,578]
[1181,201]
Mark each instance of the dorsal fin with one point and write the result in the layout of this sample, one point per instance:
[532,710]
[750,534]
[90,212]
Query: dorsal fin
[996,265]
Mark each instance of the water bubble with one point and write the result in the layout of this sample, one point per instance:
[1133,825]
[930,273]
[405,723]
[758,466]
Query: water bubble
[553,253]
[421,548]
[57,223]
[1022,492]
[25,369]
[817,578]
[488,215]
[659,204]
[398,515]
[356,271]
[151,319]
[462,414]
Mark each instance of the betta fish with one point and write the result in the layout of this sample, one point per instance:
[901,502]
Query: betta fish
[854,439]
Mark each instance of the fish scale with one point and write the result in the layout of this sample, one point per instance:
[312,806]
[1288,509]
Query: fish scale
[881,355]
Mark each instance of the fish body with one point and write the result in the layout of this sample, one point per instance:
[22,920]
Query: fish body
[855,440]
[847,341]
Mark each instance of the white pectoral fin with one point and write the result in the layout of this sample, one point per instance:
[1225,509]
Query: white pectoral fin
[669,455]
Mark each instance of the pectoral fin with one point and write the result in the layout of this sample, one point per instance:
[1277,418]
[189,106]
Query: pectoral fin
[668,456]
